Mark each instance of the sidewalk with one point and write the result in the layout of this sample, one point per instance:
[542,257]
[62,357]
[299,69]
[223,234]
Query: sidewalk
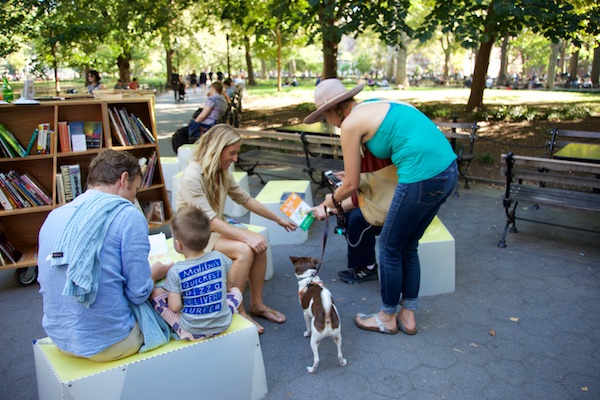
[540,295]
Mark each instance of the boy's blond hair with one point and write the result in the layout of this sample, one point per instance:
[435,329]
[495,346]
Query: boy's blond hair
[191,227]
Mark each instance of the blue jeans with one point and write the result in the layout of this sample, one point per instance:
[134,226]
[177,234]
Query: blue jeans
[361,239]
[196,129]
[413,207]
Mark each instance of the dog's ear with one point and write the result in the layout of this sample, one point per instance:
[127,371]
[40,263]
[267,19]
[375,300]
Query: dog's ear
[315,260]
[294,260]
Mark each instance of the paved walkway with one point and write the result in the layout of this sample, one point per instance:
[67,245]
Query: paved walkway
[540,295]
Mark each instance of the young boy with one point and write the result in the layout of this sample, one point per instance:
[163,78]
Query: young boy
[195,301]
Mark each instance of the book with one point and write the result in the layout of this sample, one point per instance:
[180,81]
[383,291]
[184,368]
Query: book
[149,136]
[298,211]
[75,178]
[139,137]
[9,250]
[33,186]
[64,137]
[116,128]
[66,179]
[11,141]
[77,136]
[5,149]
[32,142]
[13,192]
[155,212]
[27,195]
[6,204]
[42,139]
[159,251]
[148,167]
[93,134]
[60,190]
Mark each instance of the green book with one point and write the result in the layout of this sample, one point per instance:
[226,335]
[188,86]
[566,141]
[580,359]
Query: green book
[32,141]
[10,139]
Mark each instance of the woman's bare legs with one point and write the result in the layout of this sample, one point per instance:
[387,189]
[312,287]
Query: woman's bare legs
[248,265]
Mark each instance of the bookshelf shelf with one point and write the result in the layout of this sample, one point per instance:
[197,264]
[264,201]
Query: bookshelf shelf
[21,225]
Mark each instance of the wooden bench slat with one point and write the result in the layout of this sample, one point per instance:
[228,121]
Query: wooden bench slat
[556,165]
[581,200]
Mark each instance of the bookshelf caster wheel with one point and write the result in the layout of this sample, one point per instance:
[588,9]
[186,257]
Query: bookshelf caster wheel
[26,276]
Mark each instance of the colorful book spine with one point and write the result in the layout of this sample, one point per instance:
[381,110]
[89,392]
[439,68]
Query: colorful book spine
[34,187]
[42,142]
[12,141]
[64,171]
[93,134]
[116,128]
[6,204]
[16,196]
[149,136]
[75,177]
[64,137]
[32,142]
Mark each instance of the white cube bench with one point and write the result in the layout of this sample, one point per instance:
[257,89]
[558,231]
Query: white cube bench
[184,154]
[271,197]
[170,168]
[227,366]
[437,259]
[232,208]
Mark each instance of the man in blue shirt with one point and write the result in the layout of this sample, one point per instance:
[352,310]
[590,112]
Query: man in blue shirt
[98,324]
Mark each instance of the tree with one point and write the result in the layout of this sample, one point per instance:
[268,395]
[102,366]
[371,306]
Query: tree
[479,23]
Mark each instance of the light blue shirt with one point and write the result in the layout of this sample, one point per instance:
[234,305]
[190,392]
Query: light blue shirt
[125,276]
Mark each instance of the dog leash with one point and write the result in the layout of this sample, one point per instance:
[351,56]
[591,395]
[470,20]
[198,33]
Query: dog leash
[325,234]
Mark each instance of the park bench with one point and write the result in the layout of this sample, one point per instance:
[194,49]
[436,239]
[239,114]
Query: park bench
[555,183]
[462,138]
[559,138]
[312,153]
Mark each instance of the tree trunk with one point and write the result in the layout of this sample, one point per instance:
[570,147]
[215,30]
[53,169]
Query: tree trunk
[330,34]
[447,55]
[249,68]
[390,64]
[401,75]
[263,69]
[573,67]
[278,33]
[169,56]
[55,66]
[124,64]
[596,67]
[552,66]
[503,75]
[482,61]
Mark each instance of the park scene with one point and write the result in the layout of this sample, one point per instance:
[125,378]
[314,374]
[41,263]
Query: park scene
[508,270]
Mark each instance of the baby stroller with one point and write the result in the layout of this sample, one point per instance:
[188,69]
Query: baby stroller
[178,88]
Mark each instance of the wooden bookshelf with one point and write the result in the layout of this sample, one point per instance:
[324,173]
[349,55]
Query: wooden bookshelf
[22,225]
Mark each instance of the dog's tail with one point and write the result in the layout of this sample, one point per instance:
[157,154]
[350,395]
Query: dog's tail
[327,300]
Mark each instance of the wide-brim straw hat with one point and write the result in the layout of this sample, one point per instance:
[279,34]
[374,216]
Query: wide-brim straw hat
[328,94]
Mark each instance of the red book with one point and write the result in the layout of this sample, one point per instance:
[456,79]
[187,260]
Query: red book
[64,137]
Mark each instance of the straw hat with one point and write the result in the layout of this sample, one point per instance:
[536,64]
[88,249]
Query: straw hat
[329,93]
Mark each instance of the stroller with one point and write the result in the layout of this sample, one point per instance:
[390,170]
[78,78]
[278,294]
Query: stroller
[178,87]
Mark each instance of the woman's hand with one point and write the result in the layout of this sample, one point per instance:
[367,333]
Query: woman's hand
[159,270]
[255,241]
[286,224]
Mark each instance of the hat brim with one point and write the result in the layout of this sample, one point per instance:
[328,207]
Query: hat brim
[317,115]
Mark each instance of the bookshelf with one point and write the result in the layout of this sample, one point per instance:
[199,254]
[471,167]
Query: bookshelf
[22,225]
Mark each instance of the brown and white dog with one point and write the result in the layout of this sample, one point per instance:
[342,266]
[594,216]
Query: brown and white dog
[320,314]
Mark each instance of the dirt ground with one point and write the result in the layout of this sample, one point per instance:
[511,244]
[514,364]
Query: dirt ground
[494,138]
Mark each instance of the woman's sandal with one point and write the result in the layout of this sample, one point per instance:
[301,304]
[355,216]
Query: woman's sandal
[381,328]
[403,328]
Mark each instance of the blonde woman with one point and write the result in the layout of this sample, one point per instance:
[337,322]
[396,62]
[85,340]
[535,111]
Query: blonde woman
[205,184]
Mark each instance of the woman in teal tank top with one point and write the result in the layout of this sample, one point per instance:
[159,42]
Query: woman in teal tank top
[427,174]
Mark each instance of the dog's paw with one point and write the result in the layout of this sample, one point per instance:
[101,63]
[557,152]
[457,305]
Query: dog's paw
[343,362]
[306,334]
[311,370]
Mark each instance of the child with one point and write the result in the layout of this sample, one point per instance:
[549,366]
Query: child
[194,300]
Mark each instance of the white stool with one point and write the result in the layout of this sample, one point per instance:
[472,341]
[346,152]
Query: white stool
[271,197]
[232,208]
[184,154]
[437,259]
[234,353]
[170,167]
[174,190]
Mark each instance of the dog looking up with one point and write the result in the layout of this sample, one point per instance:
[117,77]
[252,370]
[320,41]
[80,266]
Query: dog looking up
[320,314]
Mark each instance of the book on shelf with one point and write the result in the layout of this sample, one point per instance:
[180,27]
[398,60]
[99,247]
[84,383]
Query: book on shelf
[148,167]
[32,142]
[116,129]
[77,136]
[129,128]
[149,136]
[6,150]
[43,138]
[13,192]
[154,211]
[35,188]
[93,134]
[20,187]
[159,251]
[60,190]
[6,204]
[66,180]
[11,141]
[75,177]
[9,250]
[64,137]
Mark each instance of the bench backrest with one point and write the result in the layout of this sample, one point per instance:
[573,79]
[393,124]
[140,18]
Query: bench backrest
[293,142]
[556,136]
[459,131]
[548,172]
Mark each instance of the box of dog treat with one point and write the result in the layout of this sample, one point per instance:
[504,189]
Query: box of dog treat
[298,211]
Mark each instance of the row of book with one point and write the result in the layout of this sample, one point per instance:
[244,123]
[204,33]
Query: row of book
[148,166]
[128,127]
[21,191]
[79,135]
[68,183]
[11,148]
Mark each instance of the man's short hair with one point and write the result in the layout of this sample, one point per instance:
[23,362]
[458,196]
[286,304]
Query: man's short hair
[108,165]
[191,226]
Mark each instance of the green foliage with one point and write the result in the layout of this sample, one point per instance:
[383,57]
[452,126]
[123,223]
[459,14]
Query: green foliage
[533,113]
[485,158]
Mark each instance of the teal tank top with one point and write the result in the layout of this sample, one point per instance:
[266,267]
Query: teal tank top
[413,142]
